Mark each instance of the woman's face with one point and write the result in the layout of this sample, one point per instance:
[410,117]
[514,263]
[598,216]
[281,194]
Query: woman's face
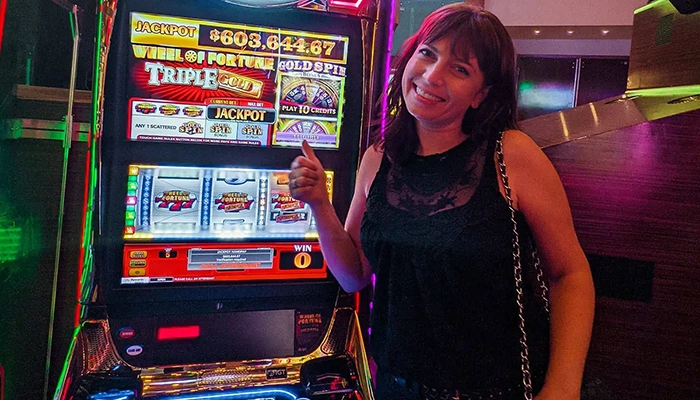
[439,87]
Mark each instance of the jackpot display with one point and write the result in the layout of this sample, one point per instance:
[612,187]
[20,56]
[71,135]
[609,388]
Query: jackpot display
[196,81]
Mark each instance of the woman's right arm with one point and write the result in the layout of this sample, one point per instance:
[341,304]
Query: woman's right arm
[340,245]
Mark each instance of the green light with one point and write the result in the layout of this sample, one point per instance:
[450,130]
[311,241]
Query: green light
[131,193]
[10,243]
[675,91]
[132,186]
[526,85]
[650,5]
[28,71]
[130,208]
[66,364]
[130,215]
[19,236]
[133,178]
[129,222]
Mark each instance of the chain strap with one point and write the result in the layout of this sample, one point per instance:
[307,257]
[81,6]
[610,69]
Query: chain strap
[544,290]
[518,275]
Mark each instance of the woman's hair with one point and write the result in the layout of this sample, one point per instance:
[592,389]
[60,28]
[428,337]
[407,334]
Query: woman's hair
[472,31]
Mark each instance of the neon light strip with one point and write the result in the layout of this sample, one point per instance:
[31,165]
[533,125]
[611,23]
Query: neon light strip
[85,262]
[679,91]
[3,11]
[650,5]
[387,66]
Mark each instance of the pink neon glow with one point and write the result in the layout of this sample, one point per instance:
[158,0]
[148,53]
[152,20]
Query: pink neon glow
[131,200]
[3,10]
[346,3]
[387,69]
[385,87]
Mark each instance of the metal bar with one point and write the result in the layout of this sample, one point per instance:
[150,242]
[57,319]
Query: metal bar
[73,76]
[66,148]
[577,80]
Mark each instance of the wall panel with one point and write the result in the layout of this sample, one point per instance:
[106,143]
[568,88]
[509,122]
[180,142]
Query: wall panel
[634,194]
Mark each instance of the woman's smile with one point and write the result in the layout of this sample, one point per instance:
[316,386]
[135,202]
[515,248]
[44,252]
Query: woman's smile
[424,94]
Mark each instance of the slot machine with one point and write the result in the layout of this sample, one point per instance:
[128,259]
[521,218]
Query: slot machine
[202,276]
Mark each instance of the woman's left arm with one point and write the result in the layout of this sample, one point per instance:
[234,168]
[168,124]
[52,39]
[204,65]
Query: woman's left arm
[538,193]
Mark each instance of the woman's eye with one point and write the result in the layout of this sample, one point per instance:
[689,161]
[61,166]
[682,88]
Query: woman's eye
[425,52]
[462,70]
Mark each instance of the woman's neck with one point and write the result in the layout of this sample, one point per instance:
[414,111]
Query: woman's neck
[434,140]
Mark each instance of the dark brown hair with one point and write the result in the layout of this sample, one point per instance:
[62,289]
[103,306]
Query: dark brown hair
[472,30]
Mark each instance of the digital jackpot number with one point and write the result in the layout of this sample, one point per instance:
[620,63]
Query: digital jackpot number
[288,44]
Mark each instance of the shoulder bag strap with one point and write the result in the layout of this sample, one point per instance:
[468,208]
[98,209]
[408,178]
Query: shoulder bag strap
[518,274]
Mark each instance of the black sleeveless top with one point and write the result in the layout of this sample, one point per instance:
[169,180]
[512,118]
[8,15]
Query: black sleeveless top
[438,235]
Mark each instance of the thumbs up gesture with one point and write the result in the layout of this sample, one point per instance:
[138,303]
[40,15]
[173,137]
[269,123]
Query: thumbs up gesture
[307,180]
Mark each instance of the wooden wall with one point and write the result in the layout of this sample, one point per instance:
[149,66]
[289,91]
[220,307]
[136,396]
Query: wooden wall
[635,193]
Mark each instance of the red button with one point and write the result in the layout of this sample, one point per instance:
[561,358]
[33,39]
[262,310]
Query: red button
[126,333]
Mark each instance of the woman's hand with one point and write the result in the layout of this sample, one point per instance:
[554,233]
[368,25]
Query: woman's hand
[307,180]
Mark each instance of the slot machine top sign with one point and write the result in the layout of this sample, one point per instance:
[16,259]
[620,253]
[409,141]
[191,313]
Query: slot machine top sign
[196,81]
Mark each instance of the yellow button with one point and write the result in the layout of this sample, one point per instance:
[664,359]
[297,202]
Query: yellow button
[137,271]
[138,254]
[137,263]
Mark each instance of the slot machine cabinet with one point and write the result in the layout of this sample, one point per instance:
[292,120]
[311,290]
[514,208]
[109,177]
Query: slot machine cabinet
[203,277]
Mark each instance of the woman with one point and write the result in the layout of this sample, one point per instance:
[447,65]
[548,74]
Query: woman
[430,218]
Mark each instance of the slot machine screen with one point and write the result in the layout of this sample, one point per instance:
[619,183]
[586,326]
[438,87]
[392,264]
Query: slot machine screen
[192,224]
[197,81]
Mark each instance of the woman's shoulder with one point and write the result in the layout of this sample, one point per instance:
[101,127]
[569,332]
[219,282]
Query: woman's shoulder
[520,150]
[519,139]
[529,169]
[369,166]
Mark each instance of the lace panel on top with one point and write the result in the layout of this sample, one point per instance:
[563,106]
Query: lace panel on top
[426,185]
